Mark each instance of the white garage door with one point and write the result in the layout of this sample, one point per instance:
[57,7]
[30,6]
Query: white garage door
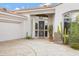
[10,31]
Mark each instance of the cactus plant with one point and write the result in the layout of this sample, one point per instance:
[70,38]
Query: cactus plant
[50,32]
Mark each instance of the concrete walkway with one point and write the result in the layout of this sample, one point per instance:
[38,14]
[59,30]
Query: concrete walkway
[35,47]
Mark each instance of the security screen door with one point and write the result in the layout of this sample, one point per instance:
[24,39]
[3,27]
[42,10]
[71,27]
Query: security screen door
[41,29]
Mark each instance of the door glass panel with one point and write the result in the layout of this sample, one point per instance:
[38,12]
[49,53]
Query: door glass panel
[36,25]
[36,33]
[41,33]
[45,27]
[45,33]
[41,24]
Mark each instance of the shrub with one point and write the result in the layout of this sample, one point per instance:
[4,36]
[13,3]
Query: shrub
[28,37]
[74,35]
[75,45]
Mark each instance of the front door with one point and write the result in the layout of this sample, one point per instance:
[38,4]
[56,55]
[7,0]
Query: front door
[41,29]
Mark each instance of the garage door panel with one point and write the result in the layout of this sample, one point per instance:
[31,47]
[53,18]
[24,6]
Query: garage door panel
[10,31]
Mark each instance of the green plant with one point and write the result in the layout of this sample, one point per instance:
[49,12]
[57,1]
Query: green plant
[50,30]
[51,33]
[65,37]
[28,37]
[59,30]
[66,33]
[74,35]
[75,45]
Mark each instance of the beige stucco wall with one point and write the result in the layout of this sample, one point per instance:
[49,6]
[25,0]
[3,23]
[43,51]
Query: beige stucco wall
[27,25]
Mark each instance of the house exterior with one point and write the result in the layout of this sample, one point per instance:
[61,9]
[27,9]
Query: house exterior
[35,22]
